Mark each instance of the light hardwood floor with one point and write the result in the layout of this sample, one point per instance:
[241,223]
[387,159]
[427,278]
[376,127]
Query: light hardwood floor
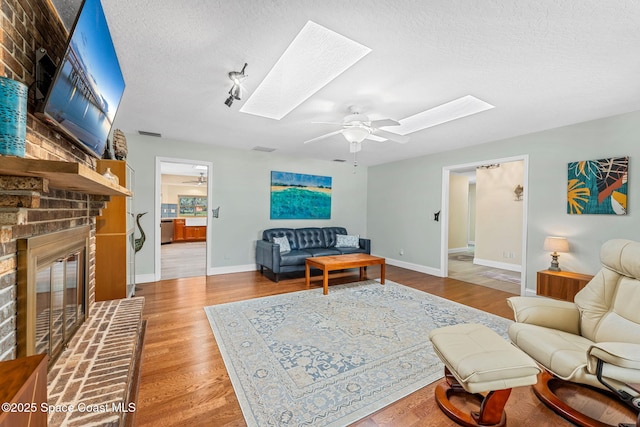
[461,267]
[184,380]
[188,259]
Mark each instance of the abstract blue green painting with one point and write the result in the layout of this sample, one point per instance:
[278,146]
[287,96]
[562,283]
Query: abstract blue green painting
[598,186]
[300,196]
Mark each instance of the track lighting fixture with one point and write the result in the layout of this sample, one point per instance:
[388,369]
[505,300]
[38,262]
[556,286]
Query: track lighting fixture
[236,90]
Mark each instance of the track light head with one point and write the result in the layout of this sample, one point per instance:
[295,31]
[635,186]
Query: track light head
[236,90]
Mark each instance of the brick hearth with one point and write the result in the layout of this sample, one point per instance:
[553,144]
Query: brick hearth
[95,378]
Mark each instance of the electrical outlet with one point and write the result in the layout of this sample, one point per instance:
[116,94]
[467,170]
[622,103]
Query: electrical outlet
[401,252]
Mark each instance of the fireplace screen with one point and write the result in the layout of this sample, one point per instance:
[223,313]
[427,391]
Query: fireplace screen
[52,271]
[59,302]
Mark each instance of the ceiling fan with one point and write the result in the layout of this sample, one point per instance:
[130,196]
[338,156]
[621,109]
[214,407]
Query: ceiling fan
[201,180]
[356,127]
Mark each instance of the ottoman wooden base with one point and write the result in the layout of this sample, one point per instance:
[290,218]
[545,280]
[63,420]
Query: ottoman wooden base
[482,365]
[491,406]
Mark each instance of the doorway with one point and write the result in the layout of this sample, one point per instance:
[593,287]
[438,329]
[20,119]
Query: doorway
[183,214]
[494,254]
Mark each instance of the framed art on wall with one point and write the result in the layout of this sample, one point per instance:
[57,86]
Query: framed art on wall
[300,196]
[598,186]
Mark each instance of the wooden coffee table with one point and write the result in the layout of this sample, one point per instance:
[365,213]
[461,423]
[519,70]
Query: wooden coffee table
[341,262]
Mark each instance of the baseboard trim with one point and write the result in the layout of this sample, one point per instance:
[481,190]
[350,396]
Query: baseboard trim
[458,250]
[145,278]
[214,271]
[496,264]
[415,267]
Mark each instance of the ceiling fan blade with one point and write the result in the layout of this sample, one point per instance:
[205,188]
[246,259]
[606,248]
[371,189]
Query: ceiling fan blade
[326,135]
[328,123]
[376,138]
[402,139]
[384,122]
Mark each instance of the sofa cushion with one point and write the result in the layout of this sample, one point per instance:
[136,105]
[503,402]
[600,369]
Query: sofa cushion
[330,234]
[311,237]
[352,250]
[347,241]
[289,233]
[323,251]
[296,257]
[283,242]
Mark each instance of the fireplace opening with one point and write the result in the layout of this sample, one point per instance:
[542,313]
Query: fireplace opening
[52,295]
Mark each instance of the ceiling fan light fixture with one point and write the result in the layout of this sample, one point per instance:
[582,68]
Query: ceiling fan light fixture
[355,134]
[354,147]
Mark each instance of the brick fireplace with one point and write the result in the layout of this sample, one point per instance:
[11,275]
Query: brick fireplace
[53,191]
[30,206]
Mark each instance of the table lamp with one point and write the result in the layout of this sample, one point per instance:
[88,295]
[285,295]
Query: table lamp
[555,244]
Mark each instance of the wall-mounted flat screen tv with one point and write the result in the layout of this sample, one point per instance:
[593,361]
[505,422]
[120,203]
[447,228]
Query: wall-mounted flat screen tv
[88,85]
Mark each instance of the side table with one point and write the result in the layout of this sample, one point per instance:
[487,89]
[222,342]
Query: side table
[561,285]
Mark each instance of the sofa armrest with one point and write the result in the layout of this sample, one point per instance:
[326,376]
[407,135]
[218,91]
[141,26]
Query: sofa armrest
[365,244]
[554,314]
[268,255]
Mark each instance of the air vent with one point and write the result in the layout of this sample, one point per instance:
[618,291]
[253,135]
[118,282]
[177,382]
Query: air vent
[144,132]
[339,160]
[263,149]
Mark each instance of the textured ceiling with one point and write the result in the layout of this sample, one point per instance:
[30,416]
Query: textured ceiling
[541,63]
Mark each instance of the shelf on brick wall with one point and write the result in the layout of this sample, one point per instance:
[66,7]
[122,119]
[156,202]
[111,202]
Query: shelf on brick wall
[62,175]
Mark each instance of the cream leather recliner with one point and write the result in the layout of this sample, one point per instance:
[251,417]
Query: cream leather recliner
[596,339]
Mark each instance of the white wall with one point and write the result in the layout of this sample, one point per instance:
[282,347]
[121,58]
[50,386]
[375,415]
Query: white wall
[458,212]
[472,212]
[499,216]
[413,189]
[174,186]
[241,187]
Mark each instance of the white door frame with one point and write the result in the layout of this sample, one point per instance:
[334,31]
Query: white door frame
[444,216]
[158,205]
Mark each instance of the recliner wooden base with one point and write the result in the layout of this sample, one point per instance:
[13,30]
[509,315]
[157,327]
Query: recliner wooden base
[491,407]
[543,389]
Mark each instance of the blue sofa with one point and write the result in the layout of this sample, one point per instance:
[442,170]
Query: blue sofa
[304,243]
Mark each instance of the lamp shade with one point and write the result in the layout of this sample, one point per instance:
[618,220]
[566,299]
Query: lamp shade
[556,244]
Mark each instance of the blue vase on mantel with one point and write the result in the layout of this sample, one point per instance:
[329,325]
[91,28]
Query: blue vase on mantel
[13,117]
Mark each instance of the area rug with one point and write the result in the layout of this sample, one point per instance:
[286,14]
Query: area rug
[307,359]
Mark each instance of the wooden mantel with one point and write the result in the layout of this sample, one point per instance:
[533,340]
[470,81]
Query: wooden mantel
[62,175]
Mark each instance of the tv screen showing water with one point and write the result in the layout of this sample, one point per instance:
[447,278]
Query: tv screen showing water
[88,85]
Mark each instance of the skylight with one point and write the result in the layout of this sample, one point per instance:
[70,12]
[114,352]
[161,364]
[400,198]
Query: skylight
[315,57]
[456,109]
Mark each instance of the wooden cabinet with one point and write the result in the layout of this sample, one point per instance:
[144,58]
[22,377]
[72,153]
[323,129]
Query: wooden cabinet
[561,284]
[184,233]
[195,233]
[23,386]
[115,256]
[178,230]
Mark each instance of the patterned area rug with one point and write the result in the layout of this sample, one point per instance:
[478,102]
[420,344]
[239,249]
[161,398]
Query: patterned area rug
[306,359]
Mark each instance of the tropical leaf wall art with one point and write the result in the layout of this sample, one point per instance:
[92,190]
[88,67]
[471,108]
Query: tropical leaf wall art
[598,186]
